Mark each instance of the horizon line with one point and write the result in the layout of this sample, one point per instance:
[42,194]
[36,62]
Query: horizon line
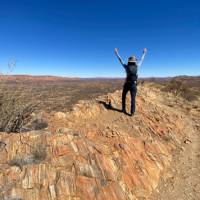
[95,77]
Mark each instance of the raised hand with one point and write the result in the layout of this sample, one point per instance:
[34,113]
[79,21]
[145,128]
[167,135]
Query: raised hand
[145,50]
[116,50]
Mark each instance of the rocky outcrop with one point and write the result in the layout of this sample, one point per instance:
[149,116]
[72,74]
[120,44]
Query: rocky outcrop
[93,152]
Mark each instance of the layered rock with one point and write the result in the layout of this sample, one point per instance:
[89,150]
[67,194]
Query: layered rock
[93,152]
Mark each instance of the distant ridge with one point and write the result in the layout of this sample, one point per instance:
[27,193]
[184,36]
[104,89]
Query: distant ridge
[26,77]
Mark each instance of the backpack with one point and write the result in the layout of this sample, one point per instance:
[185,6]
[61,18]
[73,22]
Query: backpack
[131,71]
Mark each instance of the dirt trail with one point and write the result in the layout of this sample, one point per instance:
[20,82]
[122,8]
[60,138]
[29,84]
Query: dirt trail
[183,179]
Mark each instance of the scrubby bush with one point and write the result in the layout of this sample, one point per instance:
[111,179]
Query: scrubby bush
[179,88]
[36,124]
[16,161]
[14,112]
[38,154]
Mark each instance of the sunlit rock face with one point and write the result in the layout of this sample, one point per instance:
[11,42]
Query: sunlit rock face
[93,152]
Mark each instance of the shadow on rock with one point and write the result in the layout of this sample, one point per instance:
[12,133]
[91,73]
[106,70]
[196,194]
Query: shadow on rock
[108,106]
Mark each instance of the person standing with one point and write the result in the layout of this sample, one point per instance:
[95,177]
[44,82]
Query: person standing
[131,78]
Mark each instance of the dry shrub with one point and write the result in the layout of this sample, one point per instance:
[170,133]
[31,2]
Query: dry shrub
[16,161]
[179,88]
[190,95]
[36,124]
[38,154]
[14,112]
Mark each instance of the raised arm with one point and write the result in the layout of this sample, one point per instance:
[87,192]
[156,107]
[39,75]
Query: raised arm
[118,56]
[142,57]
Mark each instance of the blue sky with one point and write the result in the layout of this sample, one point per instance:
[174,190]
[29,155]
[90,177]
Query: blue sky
[78,37]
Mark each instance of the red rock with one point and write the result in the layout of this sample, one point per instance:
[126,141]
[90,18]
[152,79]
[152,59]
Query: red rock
[95,153]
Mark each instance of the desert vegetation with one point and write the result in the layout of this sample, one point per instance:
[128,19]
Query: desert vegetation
[14,110]
[181,88]
[38,154]
[186,87]
[21,96]
[59,94]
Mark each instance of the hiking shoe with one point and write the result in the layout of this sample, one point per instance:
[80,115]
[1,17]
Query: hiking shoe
[132,114]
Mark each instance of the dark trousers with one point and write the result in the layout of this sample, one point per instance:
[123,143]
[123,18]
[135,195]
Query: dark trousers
[132,87]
